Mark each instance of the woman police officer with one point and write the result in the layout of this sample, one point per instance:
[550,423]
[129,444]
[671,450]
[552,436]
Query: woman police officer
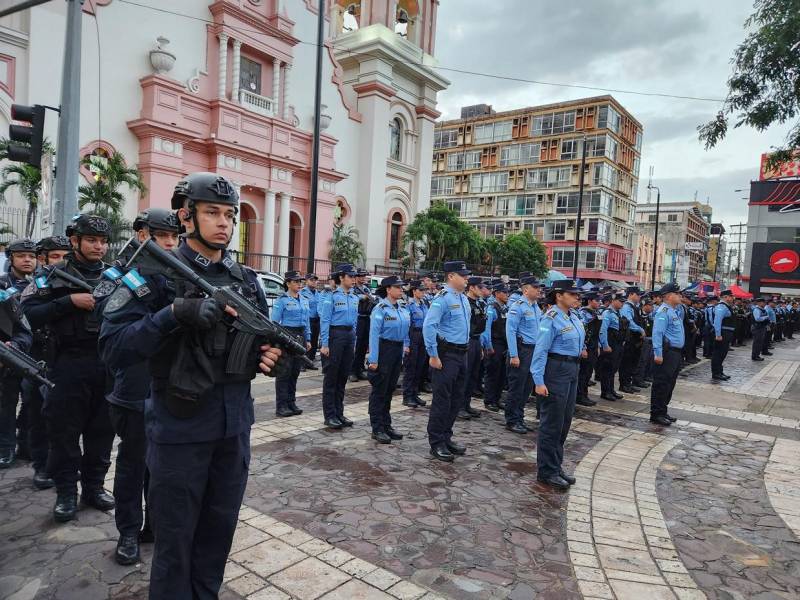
[555,366]
[388,342]
[293,312]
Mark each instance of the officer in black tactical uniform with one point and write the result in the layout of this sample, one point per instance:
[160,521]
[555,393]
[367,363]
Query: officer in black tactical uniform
[591,324]
[21,256]
[366,302]
[126,409]
[496,347]
[477,325]
[197,416]
[75,409]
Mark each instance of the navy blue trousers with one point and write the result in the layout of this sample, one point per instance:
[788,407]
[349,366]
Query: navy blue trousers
[194,496]
[448,395]
[495,373]
[130,476]
[720,352]
[474,370]
[336,368]
[286,384]
[520,385]
[586,369]
[362,343]
[9,397]
[555,415]
[37,427]
[384,381]
[664,377]
[414,365]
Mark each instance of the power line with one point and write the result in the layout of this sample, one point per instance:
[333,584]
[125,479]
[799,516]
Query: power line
[450,69]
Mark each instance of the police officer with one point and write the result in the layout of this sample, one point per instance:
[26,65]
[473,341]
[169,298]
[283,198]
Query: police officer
[559,346]
[645,367]
[633,345]
[591,325]
[522,326]
[690,329]
[494,341]
[414,363]
[668,341]
[21,256]
[366,302]
[126,411]
[292,311]
[724,326]
[612,336]
[446,334]
[312,296]
[388,343]
[771,303]
[708,326]
[477,325]
[760,323]
[76,407]
[337,329]
[197,415]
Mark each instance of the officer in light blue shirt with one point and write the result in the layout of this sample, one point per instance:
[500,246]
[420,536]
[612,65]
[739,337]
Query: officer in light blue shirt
[773,322]
[312,296]
[522,327]
[724,327]
[337,330]
[668,341]
[633,346]
[388,342]
[611,345]
[446,334]
[760,324]
[291,310]
[559,346]
[414,365]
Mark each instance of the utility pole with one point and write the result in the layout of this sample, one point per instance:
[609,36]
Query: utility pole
[312,218]
[580,210]
[66,187]
[650,186]
[739,227]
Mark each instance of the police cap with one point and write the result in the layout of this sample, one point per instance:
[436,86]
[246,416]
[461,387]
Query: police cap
[668,288]
[501,288]
[344,269]
[456,266]
[529,280]
[634,289]
[292,276]
[590,296]
[475,280]
[726,293]
[391,281]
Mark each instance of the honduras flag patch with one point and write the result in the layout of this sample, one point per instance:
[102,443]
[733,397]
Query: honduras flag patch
[136,283]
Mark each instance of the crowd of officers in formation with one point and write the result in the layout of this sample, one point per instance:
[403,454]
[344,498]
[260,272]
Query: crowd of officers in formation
[123,351]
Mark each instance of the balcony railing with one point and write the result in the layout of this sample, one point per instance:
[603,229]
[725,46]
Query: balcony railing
[257,103]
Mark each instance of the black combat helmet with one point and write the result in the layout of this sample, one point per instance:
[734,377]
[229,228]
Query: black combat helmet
[91,225]
[204,187]
[55,242]
[157,219]
[21,245]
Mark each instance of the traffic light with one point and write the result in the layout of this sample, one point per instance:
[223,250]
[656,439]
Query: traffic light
[26,140]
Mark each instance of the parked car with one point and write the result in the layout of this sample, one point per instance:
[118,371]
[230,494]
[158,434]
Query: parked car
[272,284]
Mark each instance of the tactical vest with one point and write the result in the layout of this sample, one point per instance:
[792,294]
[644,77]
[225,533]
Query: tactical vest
[366,302]
[624,328]
[728,321]
[637,314]
[79,328]
[592,328]
[499,324]
[477,319]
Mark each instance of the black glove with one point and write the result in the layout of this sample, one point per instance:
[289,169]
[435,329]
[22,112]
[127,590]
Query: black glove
[202,313]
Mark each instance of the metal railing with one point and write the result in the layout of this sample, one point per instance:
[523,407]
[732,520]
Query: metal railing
[257,103]
[12,223]
[280,264]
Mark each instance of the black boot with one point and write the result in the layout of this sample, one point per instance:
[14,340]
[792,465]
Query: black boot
[284,411]
[294,409]
[42,481]
[99,499]
[7,458]
[66,507]
[420,401]
[127,550]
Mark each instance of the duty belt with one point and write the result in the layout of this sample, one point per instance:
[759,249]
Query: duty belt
[391,342]
[524,344]
[341,328]
[445,345]
[562,357]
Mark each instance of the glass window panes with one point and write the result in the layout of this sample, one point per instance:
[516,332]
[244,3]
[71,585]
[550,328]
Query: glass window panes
[515,206]
[492,132]
[608,117]
[465,207]
[395,130]
[555,230]
[561,122]
[520,154]
[446,138]
[605,175]
[441,186]
[563,257]
[569,149]
[250,75]
[553,177]
[458,161]
[488,182]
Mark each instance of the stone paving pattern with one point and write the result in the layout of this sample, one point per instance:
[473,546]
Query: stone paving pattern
[709,508]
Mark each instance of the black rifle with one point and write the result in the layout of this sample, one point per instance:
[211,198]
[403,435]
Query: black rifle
[24,365]
[253,328]
[71,279]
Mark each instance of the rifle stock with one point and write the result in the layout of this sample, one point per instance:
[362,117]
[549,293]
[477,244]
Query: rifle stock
[24,365]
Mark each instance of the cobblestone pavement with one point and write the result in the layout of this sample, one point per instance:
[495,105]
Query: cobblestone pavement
[709,508]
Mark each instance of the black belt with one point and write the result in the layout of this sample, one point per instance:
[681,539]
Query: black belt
[674,349]
[297,329]
[562,357]
[315,318]
[445,345]
[523,344]
[392,342]
[416,329]
[341,328]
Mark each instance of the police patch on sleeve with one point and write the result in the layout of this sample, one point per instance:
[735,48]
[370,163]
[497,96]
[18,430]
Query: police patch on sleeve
[118,299]
[104,288]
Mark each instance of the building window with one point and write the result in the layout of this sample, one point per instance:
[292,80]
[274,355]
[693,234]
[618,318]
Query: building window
[520,154]
[492,132]
[442,186]
[467,208]
[446,138]
[569,149]
[488,182]
[562,122]
[555,231]
[395,133]
[492,229]
[672,218]
[395,235]
[563,257]
[608,117]
[250,76]
[554,177]
[598,230]
[605,175]
[515,206]
[566,203]
[459,161]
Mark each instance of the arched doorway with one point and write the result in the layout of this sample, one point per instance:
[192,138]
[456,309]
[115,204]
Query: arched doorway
[295,251]
[247,225]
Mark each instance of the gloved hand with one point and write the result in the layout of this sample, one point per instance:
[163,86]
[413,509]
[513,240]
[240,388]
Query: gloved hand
[201,313]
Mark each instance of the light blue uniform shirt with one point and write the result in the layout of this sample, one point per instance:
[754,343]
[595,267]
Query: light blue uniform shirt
[312,297]
[559,333]
[771,313]
[610,321]
[667,326]
[522,321]
[627,312]
[721,311]
[387,322]
[292,312]
[339,309]
[448,318]
[514,298]
[418,310]
[760,315]
[709,314]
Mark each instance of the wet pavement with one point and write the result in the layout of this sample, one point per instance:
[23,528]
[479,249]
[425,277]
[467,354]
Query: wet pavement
[709,508]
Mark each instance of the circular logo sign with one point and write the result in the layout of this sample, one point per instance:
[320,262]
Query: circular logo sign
[784,261]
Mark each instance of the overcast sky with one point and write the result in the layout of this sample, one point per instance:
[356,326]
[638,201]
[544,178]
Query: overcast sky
[680,47]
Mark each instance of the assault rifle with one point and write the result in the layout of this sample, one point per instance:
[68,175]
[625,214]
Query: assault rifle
[77,282]
[22,364]
[253,328]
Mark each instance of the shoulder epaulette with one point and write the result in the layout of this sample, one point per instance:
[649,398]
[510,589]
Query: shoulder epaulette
[551,313]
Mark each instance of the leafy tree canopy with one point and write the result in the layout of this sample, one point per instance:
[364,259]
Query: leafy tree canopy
[521,252]
[440,235]
[346,246]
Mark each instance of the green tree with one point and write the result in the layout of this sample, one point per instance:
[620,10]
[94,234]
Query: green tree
[765,85]
[28,180]
[439,235]
[346,247]
[521,252]
[103,196]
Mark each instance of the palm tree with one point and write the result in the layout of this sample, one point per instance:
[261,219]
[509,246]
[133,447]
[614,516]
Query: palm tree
[346,247]
[28,180]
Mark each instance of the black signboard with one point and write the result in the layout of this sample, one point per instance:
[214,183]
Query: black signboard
[774,266]
[779,195]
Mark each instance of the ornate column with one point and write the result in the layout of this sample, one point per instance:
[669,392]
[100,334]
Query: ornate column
[268,245]
[223,64]
[276,85]
[237,61]
[287,71]
[283,225]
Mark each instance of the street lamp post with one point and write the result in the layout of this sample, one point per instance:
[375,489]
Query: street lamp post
[580,211]
[655,234]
